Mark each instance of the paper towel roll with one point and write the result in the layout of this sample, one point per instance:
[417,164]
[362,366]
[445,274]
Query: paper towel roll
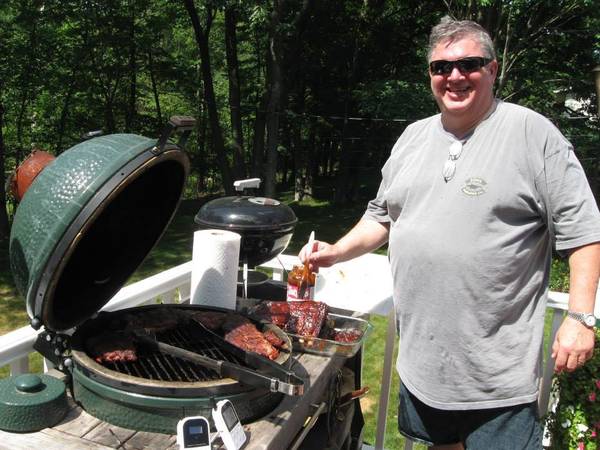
[215,259]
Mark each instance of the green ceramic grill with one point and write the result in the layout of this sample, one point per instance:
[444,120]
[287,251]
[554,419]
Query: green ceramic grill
[82,228]
[90,218]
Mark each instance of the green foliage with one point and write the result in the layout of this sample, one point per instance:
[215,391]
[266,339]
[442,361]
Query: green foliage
[395,99]
[575,423]
[73,66]
[559,275]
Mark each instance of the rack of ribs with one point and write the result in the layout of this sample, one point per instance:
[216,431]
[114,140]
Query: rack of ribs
[306,318]
[112,347]
[242,333]
[277,313]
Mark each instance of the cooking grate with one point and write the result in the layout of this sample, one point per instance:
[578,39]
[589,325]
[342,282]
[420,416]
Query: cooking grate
[157,366]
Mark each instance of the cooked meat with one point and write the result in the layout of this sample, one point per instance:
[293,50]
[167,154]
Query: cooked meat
[276,307]
[157,320]
[306,318]
[112,347]
[279,319]
[273,339]
[213,320]
[233,321]
[277,313]
[347,335]
[242,333]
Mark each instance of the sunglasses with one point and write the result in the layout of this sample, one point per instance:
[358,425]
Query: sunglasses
[464,65]
[450,166]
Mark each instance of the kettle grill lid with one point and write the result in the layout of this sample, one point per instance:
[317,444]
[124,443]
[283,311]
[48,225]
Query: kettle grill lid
[243,213]
[87,222]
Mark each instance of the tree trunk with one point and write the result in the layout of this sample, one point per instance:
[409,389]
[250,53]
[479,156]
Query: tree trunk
[234,92]
[299,150]
[258,143]
[62,124]
[275,80]
[344,183]
[131,109]
[275,87]
[507,42]
[159,119]
[109,115]
[4,228]
[20,119]
[209,94]
[200,156]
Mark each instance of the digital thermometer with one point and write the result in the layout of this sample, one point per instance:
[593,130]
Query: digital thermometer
[228,425]
[193,432]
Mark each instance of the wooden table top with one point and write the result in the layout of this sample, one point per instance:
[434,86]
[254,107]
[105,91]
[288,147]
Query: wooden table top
[80,430]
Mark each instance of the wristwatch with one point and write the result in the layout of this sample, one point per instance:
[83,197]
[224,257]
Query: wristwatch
[588,319]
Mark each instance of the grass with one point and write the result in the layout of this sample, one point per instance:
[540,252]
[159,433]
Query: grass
[175,247]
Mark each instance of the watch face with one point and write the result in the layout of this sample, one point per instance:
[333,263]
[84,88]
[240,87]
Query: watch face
[590,320]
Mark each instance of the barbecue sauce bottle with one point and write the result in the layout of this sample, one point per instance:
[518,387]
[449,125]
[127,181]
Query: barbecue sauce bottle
[295,278]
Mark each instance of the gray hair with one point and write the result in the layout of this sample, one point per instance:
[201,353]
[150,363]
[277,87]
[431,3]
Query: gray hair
[453,30]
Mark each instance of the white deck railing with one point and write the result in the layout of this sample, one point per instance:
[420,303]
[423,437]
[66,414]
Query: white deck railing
[173,286]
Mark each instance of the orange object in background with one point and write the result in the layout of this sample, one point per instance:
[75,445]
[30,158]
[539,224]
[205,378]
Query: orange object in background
[26,172]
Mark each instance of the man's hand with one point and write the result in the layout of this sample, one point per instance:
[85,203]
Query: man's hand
[322,254]
[366,236]
[573,345]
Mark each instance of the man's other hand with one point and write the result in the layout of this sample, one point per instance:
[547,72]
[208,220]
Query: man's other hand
[573,345]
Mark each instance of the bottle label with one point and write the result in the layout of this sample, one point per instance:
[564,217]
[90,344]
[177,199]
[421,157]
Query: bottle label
[292,293]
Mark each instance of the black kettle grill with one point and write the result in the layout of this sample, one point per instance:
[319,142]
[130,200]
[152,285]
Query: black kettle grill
[265,225]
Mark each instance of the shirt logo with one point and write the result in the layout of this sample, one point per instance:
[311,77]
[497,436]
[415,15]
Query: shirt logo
[474,187]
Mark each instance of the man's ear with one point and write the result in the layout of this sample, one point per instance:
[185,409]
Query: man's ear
[493,68]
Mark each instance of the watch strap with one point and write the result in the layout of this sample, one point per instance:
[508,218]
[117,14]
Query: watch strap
[588,319]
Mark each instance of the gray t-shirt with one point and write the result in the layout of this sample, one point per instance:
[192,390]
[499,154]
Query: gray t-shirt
[471,257]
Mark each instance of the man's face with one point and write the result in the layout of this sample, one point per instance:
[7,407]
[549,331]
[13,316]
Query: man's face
[462,96]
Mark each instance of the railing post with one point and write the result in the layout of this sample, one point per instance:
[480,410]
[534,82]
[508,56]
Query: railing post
[277,274]
[48,365]
[386,380]
[546,381]
[20,366]
[185,292]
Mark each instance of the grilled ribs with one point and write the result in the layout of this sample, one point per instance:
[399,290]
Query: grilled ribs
[306,318]
[277,313]
[242,333]
[112,347]
[347,335]
[273,339]
[213,320]
[155,321]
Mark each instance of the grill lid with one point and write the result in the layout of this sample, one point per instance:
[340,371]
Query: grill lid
[90,218]
[245,213]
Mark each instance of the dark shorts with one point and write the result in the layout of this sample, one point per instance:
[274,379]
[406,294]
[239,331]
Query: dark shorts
[510,428]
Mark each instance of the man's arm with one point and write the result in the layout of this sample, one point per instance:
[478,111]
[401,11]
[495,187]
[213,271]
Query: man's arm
[367,235]
[574,343]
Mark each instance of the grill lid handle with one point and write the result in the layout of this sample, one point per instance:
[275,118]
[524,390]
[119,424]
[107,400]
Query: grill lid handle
[183,124]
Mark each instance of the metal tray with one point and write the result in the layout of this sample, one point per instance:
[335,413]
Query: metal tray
[329,347]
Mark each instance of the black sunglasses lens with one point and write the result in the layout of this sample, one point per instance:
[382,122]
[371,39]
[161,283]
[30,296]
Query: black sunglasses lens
[468,64]
[465,65]
[440,67]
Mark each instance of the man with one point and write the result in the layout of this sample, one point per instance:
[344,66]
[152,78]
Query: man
[469,201]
